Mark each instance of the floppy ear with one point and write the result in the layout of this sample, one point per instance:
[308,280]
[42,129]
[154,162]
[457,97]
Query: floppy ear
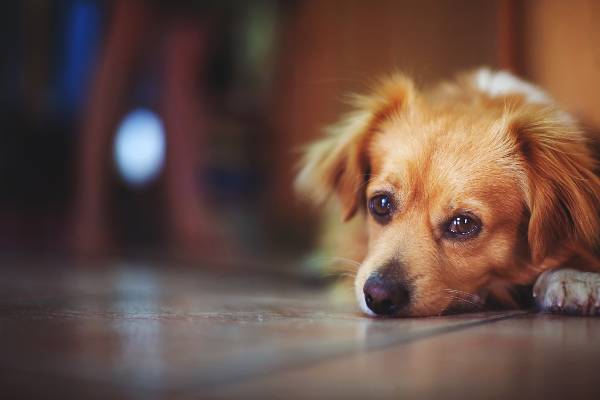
[339,162]
[564,190]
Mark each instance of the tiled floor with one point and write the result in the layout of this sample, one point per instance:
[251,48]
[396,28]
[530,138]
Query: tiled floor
[140,332]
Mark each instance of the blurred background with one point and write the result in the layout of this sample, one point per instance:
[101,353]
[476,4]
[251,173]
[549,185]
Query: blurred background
[171,129]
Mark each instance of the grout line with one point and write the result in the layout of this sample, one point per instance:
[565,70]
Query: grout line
[448,329]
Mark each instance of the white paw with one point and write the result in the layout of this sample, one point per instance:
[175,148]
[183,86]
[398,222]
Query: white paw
[567,291]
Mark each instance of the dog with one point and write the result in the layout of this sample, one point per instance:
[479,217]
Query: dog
[465,192]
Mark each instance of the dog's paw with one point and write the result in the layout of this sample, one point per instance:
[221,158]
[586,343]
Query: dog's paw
[567,291]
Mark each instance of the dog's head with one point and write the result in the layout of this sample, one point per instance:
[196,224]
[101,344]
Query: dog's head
[464,188]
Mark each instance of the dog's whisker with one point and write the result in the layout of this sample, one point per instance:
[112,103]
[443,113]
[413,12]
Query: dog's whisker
[341,267]
[366,182]
[338,260]
[471,296]
[457,291]
[347,275]
[340,273]
[460,299]
[348,261]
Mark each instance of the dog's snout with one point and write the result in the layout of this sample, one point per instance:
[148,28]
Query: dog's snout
[386,294]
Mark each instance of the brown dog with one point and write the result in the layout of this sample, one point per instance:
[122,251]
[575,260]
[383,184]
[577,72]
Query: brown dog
[466,191]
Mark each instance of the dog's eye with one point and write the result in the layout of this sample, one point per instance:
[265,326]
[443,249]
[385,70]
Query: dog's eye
[381,207]
[463,227]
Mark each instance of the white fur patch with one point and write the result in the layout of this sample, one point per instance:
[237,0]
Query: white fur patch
[360,297]
[499,83]
[364,308]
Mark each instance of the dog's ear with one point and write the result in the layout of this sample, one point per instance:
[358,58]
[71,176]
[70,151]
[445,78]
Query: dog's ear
[339,163]
[563,188]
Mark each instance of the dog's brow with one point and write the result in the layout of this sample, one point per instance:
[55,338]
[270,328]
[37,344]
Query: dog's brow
[364,184]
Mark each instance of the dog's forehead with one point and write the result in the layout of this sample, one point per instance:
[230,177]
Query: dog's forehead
[463,151]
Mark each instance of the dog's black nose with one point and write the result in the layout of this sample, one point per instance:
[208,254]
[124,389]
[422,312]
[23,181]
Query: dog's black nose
[385,296]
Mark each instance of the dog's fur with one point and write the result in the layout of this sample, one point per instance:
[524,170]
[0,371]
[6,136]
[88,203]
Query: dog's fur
[487,143]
